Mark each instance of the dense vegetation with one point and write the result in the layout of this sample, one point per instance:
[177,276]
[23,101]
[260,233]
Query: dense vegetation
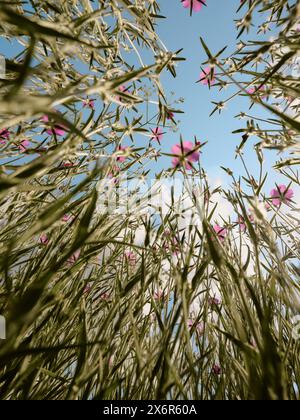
[103,298]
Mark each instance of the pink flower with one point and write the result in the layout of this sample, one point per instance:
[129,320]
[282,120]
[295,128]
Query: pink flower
[87,289]
[66,218]
[216,369]
[157,134]
[56,129]
[242,222]
[131,258]
[114,171]
[253,90]
[213,301]
[281,194]
[221,232]
[159,295]
[206,78]
[74,257]
[196,4]
[105,296]
[68,164]
[206,197]
[23,145]
[185,154]
[170,115]
[172,245]
[199,326]
[89,103]
[123,89]
[123,151]
[267,206]
[113,175]
[4,135]
[155,248]
[44,240]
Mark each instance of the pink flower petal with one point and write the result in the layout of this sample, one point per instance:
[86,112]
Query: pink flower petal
[74,257]
[170,115]
[157,134]
[197,5]
[205,76]
[221,232]
[281,194]
[121,158]
[56,129]
[4,135]
[89,103]
[185,154]
[130,257]
[44,239]
[23,145]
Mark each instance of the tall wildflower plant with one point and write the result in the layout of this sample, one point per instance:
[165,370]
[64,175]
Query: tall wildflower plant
[85,79]
[267,70]
[101,299]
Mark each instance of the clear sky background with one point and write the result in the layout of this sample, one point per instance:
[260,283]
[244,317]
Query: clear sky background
[215,24]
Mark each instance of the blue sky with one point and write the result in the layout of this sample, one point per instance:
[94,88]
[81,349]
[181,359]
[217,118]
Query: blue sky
[214,23]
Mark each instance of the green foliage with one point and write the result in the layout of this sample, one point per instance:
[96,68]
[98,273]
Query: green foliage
[94,312]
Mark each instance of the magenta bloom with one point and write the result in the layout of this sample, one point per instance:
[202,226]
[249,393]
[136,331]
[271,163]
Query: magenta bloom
[131,258]
[196,4]
[122,89]
[267,206]
[199,327]
[157,134]
[66,218]
[205,76]
[170,115]
[281,194]
[185,154]
[242,222]
[221,232]
[4,135]
[87,289]
[105,296]
[113,175]
[44,240]
[68,164]
[123,153]
[159,295]
[89,103]
[216,369]
[253,90]
[213,301]
[56,129]
[23,145]
[114,171]
[74,257]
